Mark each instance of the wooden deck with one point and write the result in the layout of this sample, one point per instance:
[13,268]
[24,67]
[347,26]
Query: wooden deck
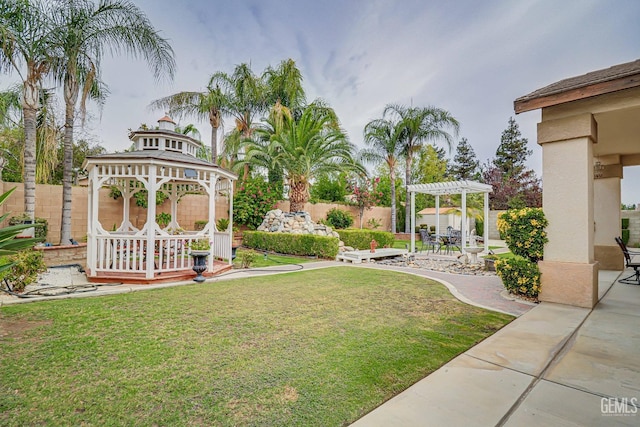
[138,278]
[357,257]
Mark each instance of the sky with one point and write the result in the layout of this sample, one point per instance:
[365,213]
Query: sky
[471,58]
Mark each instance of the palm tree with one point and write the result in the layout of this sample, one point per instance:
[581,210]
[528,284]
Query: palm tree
[84,31]
[26,32]
[209,104]
[285,85]
[303,148]
[384,147]
[245,97]
[416,125]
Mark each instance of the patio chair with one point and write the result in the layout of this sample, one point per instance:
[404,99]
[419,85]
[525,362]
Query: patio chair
[632,260]
[454,240]
[428,240]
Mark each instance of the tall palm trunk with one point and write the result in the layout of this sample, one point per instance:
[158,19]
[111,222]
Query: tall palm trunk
[214,120]
[30,111]
[71,90]
[393,200]
[298,196]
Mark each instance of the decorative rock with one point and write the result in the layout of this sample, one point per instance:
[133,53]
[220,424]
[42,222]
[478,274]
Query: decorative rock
[276,221]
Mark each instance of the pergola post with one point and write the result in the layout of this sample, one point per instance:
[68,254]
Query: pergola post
[485,237]
[413,222]
[437,214]
[463,225]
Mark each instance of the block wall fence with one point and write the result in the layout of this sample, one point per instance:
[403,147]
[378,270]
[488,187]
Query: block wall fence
[191,208]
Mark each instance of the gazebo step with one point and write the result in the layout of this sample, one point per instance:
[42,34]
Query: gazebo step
[161,277]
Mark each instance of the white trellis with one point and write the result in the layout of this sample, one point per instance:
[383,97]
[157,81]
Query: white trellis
[163,162]
[453,187]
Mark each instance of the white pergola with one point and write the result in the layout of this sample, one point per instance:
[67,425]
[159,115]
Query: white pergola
[453,187]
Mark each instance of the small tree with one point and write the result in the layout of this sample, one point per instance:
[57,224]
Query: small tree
[366,195]
[465,163]
[252,201]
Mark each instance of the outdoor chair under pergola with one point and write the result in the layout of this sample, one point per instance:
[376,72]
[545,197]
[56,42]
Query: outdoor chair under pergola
[453,187]
[163,161]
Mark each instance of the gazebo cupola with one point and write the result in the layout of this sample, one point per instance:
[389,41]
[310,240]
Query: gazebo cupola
[163,161]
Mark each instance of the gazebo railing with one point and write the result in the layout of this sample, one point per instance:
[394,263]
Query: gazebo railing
[129,253]
[221,247]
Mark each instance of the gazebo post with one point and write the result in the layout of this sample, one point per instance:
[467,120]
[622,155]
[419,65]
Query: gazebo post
[211,193]
[230,217]
[92,218]
[151,221]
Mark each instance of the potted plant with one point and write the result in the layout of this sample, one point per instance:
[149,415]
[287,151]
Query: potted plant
[200,250]
[163,219]
[222,224]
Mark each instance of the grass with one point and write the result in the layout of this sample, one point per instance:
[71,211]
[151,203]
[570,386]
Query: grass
[271,259]
[320,347]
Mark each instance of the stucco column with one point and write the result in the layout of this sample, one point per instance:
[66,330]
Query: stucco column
[569,273]
[606,213]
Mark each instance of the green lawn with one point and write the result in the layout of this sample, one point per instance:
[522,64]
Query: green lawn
[320,347]
[272,259]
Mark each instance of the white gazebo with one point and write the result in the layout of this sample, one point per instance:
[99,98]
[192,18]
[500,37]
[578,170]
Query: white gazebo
[163,161]
[453,187]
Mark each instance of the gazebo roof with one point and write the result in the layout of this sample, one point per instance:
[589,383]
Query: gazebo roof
[451,187]
[148,156]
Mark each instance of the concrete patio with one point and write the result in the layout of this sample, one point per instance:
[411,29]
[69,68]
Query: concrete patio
[556,365]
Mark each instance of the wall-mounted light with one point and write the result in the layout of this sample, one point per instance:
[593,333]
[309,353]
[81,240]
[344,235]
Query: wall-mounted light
[598,170]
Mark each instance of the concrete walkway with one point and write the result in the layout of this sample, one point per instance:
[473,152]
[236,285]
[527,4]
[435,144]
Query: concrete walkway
[555,365]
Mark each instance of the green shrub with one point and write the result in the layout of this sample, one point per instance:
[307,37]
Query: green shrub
[254,198]
[625,236]
[361,239]
[523,231]
[24,271]
[339,219]
[625,223]
[41,225]
[163,219]
[247,258]
[222,224]
[200,224]
[519,275]
[479,227]
[292,244]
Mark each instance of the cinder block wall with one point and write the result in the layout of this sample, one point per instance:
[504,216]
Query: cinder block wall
[191,208]
[634,226]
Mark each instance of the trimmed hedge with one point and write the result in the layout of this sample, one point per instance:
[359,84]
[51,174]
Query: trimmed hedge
[625,223]
[361,239]
[625,236]
[292,244]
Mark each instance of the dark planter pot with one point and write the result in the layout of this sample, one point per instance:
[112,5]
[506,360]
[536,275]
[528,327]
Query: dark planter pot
[199,264]
[489,264]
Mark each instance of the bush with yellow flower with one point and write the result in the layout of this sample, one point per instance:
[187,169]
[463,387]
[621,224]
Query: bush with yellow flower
[519,275]
[524,234]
